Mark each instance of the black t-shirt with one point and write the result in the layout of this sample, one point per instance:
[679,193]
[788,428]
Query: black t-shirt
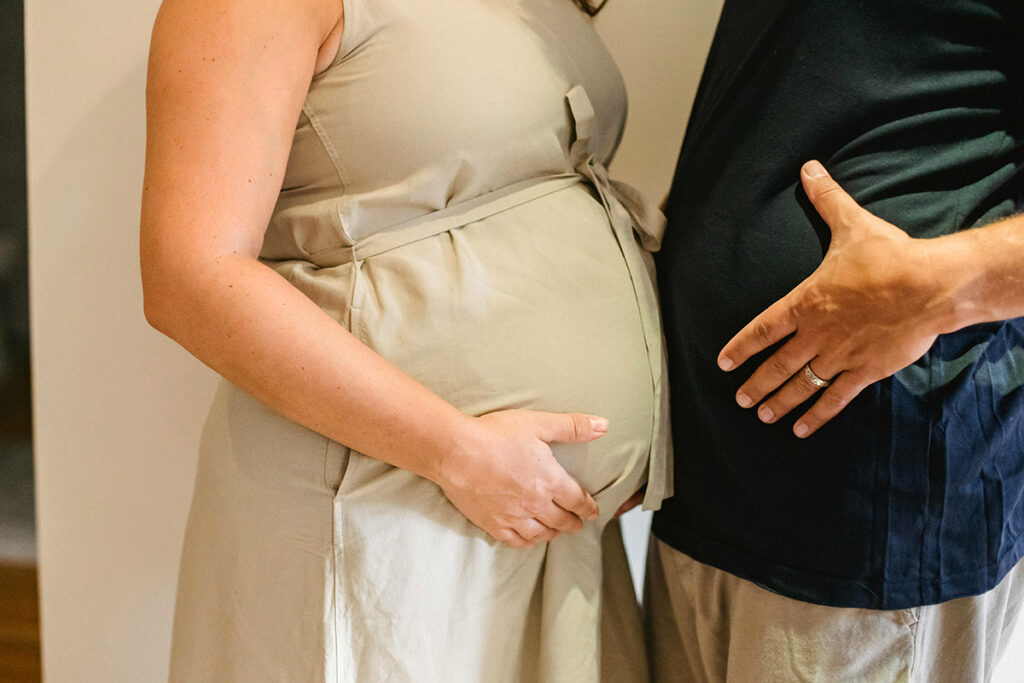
[915,493]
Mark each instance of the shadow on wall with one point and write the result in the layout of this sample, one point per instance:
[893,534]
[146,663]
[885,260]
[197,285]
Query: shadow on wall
[13,230]
[17,522]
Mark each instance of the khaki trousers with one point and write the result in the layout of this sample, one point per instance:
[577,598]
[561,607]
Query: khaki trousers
[704,624]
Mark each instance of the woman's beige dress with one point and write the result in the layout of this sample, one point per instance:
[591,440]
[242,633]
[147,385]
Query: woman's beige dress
[446,200]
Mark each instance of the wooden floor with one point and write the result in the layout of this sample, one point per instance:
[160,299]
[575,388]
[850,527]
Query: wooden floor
[19,625]
[19,593]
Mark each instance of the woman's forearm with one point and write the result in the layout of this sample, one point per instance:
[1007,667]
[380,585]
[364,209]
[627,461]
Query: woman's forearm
[225,88]
[251,326]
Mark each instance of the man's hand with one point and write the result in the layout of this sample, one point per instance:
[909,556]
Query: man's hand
[873,306]
[631,502]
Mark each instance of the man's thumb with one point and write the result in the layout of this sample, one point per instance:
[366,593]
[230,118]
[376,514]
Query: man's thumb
[832,203]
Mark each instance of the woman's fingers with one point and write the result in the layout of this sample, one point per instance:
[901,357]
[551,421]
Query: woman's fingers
[569,427]
[511,538]
[559,519]
[510,481]
[572,497]
[534,531]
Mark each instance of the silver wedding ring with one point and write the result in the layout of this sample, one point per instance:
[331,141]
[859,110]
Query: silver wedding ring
[813,378]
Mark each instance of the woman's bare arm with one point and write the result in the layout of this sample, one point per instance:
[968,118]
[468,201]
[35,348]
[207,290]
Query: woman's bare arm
[226,83]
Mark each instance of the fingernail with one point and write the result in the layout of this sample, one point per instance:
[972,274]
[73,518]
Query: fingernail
[599,424]
[725,363]
[766,414]
[800,429]
[743,400]
[814,169]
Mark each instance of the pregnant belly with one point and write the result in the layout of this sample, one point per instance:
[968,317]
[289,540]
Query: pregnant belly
[531,308]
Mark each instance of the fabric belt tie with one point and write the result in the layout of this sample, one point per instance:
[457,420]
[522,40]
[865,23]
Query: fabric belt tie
[628,212]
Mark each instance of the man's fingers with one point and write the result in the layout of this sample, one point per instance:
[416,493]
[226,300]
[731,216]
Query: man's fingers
[634,500]
[774,372]
[795,391]
[773,324]
[836,397]
[832,203]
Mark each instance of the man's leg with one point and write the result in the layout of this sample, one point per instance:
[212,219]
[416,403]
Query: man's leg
[707,625]
[963,639]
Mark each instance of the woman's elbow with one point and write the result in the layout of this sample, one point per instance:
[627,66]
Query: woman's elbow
[158,305]
[165,295]
[166,291]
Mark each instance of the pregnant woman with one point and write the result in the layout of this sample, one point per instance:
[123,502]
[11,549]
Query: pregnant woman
[388,225]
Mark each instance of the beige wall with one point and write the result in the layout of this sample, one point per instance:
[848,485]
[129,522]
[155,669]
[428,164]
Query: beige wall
[119,408]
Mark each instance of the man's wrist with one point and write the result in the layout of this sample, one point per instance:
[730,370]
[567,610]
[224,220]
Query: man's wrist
[960,274]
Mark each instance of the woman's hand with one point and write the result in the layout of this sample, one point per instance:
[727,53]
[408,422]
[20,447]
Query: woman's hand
[508,483]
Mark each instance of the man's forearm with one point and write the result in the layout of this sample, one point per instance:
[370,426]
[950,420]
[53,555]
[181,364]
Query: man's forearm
[983,269]
[875,304]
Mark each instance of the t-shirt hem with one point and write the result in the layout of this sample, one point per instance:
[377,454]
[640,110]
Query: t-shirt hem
[834,591]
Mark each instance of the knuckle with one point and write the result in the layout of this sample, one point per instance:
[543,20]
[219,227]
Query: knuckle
[777,367]
[540,451]
[575,525]
[578,510]
[762,330]
[546,489]
[567,490]
[826,189]
[516,541]
[578,427]
[506,538]
[835,400]
[535,507]
[548,535]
